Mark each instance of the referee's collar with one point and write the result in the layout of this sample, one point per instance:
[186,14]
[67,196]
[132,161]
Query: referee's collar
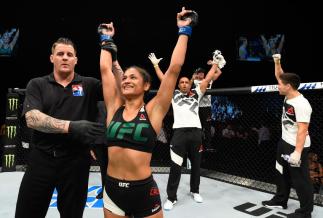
[77,78]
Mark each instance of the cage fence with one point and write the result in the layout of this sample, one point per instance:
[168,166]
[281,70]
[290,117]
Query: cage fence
[245,128]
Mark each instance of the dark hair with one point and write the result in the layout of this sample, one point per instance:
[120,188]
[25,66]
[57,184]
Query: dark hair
[182,78]
[145,75]
[65,41]
[290,78]
[200,70]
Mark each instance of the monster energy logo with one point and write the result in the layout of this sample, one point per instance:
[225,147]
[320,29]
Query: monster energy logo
[11,132]
[10,160]
[13,104]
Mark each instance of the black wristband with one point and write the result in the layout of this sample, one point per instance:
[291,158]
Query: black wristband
[110,47]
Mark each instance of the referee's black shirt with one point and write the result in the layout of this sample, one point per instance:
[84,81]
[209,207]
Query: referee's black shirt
[76,101]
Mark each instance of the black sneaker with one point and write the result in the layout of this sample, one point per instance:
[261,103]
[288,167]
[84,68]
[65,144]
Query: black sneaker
[274,204]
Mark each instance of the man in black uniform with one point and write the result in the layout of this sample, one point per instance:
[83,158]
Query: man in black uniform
[295,142]
[187,136]
[59,108]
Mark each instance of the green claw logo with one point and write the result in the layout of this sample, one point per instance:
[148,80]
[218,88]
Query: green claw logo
[13,104]
[10,160]
[11,132]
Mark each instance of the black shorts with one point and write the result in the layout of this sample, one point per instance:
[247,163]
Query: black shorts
[132,198]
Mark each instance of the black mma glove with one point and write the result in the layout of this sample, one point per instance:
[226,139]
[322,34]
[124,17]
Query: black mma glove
[193,16]
[187,30]
[110,47]
[86,131]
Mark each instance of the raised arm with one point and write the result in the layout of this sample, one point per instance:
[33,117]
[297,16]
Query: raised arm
[167,86]
[155,61]
[217,63]
[217,74]
[159,105]
[213,72]
[278,68]
[118,72]
[111,88]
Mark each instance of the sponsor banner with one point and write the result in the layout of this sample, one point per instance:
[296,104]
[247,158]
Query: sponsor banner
[11,131]
[274,88]
[313,85]
[254,210]
[11,136]
[9,158]
[247,208]
[266,88]
[12,104]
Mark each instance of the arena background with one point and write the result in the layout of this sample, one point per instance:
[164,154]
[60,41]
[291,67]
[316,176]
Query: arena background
[149,26]
[240,158]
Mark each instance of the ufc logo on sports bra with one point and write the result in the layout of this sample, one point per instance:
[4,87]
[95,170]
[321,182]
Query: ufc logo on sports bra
[124,184]
[119,130]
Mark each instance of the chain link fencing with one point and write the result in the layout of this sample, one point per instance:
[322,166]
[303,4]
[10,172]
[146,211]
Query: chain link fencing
[245,129]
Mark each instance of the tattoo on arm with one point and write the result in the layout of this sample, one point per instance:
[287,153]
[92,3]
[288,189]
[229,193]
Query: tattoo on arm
[116,69]
[44,123]
[118,72]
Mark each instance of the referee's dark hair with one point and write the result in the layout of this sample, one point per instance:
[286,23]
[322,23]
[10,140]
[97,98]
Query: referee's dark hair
[65,41]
